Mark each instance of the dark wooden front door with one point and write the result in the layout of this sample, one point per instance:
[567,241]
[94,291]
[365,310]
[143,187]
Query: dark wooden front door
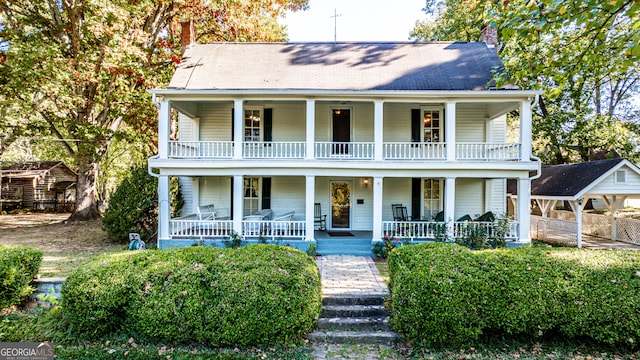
[341,131]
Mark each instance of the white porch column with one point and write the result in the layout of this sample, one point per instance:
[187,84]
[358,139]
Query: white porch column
[449,204]
[238,203]
[238,128]
[195,193]
[525,130]
[450,130]
[577,206]
[377,207]
[524,212]
[164,214]
[378,108]
[311,129]
[309,209]
[164,122]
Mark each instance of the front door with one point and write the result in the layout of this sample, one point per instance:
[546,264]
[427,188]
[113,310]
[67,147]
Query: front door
[341,131]
[341,205]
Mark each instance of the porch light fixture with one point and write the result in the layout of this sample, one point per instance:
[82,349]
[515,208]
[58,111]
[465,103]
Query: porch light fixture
[337,111]
[365,182]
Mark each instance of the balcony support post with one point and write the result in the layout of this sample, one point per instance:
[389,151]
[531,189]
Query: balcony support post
[310,191]
[377,207]
[311,129]
[449,204]
[164,123]
[523,212]
[164,214]
[378,107]
[525,131]
[450,130]
[238,203]
[238,128]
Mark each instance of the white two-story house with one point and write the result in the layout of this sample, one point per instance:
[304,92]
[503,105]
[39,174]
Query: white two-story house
[312,142]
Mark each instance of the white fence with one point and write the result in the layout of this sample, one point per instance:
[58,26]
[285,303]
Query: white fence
[201,149]
[565,231]
[414,151]
[275,150]
[344,150]
[181,228]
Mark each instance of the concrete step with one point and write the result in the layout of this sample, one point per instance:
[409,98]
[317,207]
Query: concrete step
[362,324]
[344,311]
[353,300]
[355,337]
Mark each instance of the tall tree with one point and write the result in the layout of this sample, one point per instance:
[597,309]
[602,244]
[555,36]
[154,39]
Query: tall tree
[582,54]
[80,68]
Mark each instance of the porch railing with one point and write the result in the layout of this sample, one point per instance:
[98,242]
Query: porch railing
[433,230]
[198,229]
[488,151]
[274,150]
[414,151]
[272,230]
[201,149]
[344,150]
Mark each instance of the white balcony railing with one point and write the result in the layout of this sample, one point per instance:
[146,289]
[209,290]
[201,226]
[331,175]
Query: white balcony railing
[414,151]
[344,150]
[488,151]
[201,149]
[274,150]
[433,230]
[198,229]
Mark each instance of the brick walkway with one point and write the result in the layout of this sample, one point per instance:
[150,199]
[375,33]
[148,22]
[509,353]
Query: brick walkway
[350,275]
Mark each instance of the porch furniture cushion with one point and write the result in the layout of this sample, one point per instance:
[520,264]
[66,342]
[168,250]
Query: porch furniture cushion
[465,218]
[266,214]
[439,216]
[281,223]
[486,217]
[318,218]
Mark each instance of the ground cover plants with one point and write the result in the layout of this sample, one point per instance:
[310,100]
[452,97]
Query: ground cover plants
[448,294]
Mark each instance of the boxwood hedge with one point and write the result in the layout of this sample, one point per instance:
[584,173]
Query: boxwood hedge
[258,294]
[443,293]
[18,267]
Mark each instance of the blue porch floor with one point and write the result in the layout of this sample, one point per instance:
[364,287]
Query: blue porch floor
[359,244]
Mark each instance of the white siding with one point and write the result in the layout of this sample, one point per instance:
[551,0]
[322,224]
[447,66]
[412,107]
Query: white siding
[396,123]
[470,122]
[186,188]
[609,186]
[217,191]
[185,128]
[395,191]
[498,129]
[215,121]
[469,197]
[288,194]
[288,121]
[496,196]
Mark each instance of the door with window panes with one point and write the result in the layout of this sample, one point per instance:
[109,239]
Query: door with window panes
[431,125]
[252,125]
[432,200]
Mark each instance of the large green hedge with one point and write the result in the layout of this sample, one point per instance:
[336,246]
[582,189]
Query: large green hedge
[258,294]
[443,293]
[18,266]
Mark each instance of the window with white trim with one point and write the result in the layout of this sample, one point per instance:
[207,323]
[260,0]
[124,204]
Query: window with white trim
[252,125]
[432,199]
[431,125]
[252,186]
[620,177]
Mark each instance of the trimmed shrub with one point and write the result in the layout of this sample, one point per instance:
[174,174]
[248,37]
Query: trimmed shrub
[443,293]
[133,205]
[257,294]
[18,266]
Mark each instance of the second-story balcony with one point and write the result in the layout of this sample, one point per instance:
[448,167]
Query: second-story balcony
[395,151]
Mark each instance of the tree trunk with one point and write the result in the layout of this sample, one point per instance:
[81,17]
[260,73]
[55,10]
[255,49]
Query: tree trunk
[86,204]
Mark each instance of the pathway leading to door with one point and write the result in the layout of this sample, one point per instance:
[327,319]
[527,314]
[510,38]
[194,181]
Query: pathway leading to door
[350,275]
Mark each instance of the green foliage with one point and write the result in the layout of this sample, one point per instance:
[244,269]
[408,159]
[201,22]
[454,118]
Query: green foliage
[257,294]
[312,250]
[443,293]
[378,250]
[233,241]
[133,206]
[18,266]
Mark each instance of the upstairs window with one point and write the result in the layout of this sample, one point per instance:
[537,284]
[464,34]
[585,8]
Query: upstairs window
[621,177]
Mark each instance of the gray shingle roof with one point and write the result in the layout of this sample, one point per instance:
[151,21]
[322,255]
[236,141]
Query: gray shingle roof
[336,66]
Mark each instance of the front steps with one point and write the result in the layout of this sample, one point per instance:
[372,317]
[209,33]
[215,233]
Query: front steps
[354,319]
[344,246]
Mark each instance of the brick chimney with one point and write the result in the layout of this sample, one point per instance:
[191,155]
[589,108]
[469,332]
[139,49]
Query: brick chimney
[489,35]
[188,34]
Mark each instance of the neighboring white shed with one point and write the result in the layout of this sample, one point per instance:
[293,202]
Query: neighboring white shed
[612,181]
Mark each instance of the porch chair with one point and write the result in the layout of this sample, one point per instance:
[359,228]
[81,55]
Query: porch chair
[206,212]
[439,217]
[318,218]
[486,217]
[394,211]
[281,224]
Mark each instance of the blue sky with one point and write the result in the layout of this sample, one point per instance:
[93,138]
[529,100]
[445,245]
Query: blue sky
[358,20]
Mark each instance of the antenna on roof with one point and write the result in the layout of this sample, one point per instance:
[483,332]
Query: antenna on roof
[335,24]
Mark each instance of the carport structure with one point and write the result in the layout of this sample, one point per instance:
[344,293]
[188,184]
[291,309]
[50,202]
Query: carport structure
[613,181]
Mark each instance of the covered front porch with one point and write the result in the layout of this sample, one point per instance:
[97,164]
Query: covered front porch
[303,210]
